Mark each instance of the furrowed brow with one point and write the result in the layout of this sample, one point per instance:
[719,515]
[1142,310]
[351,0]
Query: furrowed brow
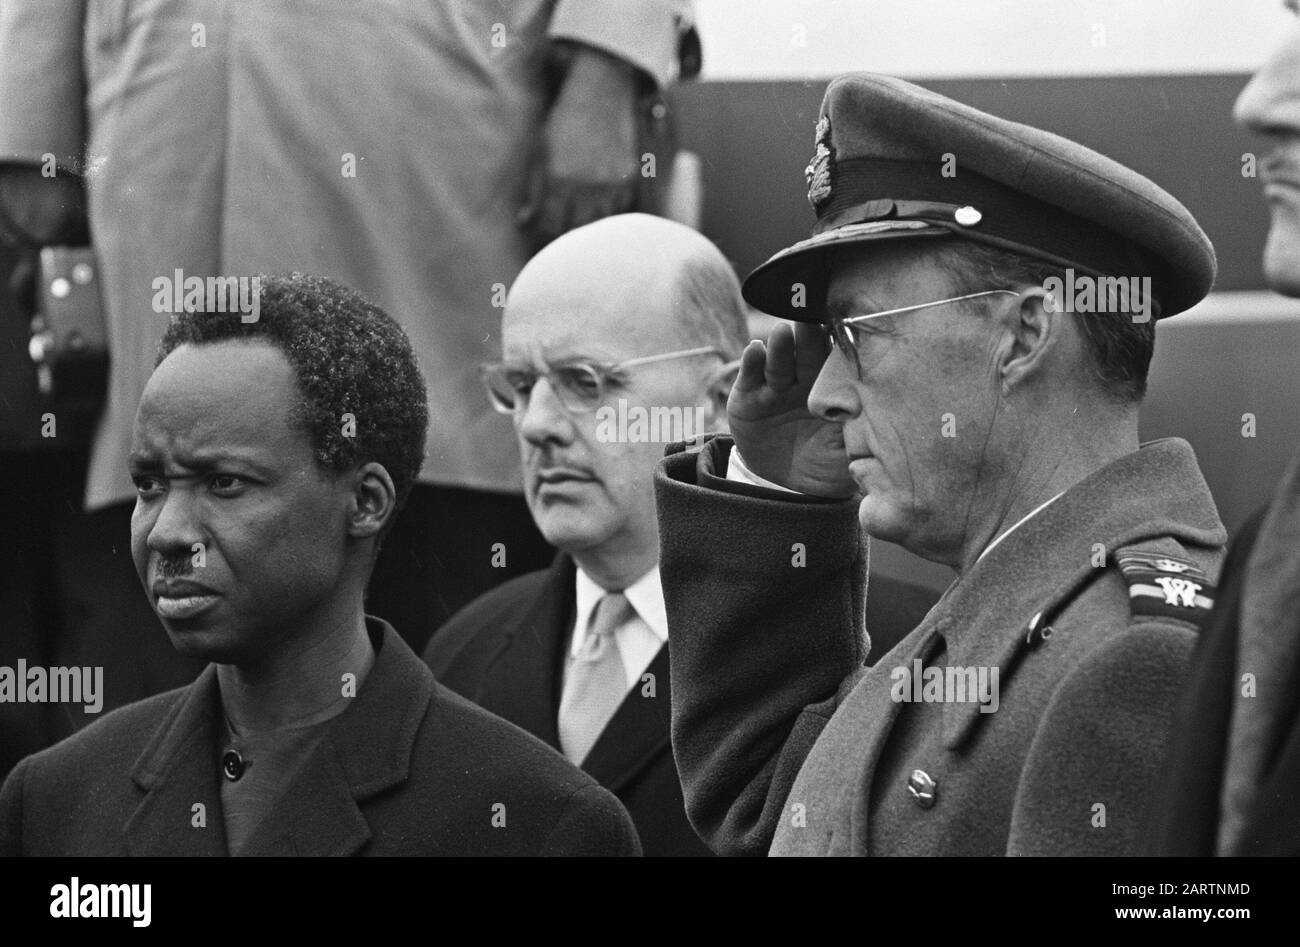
[139,462]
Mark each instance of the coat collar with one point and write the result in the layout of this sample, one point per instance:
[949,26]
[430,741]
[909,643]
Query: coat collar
[526,675]
[319,812]
[1156,492]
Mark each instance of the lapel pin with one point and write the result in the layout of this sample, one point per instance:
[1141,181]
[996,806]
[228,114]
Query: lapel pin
[922,788]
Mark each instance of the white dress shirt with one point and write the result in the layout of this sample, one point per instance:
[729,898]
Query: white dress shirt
[640,637]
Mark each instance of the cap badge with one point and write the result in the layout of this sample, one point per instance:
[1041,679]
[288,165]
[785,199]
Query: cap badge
[818,172]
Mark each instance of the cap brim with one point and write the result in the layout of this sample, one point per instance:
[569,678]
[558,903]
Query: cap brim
[792,284]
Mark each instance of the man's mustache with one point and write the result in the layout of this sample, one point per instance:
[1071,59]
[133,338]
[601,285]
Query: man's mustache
[174,568]
[546,459]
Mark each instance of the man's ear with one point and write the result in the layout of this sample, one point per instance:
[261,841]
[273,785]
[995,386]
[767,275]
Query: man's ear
[1032,327]
[374,500]
[716,395]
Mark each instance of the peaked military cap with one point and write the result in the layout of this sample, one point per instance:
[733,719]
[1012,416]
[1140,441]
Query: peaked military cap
[886,153]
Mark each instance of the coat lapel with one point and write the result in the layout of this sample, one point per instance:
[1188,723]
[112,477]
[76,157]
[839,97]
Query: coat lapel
[637,733]
[320,812]
[178,771]
[522,682]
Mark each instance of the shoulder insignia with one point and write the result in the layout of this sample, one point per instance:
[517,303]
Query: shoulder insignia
[1166,586]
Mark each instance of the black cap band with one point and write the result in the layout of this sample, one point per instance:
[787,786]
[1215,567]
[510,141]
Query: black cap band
[867,189]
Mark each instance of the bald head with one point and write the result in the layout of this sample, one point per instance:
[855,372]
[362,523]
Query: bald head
[633,278]
[623,288]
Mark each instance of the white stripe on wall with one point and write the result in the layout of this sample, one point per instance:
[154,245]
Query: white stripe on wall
[940,39]
[1239,308]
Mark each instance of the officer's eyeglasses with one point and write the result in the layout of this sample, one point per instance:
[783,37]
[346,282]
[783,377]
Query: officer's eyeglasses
[845,336]
[580,386]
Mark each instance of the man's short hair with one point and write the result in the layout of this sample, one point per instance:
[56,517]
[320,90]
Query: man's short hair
[348,357]
[710,306]
[1119,349]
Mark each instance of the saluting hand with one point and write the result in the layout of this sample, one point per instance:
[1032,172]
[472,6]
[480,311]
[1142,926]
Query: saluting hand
[776,434]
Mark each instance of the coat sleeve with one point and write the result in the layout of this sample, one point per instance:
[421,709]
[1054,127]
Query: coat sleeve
[1095,759]
[594,823]
[765,608]
[42,108]
[641,32]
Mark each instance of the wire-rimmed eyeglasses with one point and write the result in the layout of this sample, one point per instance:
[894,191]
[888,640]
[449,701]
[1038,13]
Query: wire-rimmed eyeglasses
[846,339]
[579,385]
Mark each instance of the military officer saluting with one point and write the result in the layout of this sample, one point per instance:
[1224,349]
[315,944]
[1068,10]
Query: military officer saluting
[935,393]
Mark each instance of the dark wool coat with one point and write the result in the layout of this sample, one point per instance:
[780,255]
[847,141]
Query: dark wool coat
[409,769]
[786,743]
[1185,810]
[506,652]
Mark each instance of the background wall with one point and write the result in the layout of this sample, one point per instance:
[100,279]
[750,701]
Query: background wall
[802,39]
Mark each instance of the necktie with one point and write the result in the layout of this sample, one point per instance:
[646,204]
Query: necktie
[596,683]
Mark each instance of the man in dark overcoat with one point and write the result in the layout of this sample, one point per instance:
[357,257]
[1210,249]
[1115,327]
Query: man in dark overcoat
[269,458]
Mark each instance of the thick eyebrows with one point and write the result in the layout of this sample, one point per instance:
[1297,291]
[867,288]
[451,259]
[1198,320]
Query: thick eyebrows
[199,461]
[139,460]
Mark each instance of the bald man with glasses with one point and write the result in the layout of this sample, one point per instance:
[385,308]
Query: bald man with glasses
[617,338]
[947,385]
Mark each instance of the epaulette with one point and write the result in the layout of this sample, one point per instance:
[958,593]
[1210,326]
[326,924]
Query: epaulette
[1165,585]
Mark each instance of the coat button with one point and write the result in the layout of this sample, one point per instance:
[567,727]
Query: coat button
[232,765]
[922,788]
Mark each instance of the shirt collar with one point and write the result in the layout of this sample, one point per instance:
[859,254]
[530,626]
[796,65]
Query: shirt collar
[645,594]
